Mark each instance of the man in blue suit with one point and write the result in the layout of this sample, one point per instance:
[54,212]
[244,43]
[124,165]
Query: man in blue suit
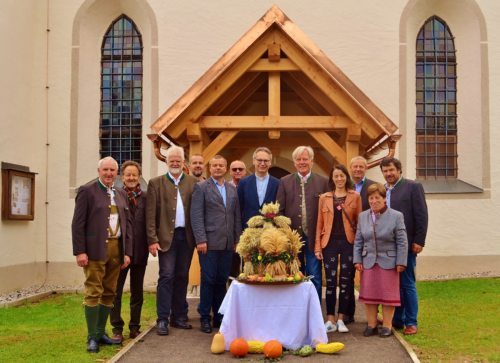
[259,188]
[408,197]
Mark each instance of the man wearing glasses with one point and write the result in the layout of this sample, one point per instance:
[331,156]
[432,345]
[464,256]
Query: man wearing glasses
[237,170]
[258,188]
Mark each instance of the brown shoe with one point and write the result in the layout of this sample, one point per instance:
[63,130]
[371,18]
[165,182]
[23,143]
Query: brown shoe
[118,337]
[134,334]
[410,330]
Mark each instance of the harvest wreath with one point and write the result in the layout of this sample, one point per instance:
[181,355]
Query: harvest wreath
[269,248]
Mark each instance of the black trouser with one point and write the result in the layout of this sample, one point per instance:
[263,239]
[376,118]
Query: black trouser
[173,278]
[331,253]
[136,298]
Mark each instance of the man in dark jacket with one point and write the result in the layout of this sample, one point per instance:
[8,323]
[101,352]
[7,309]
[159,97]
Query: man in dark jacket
[408,197]
[131,175]
[170,236]
[298,196]
[102,243]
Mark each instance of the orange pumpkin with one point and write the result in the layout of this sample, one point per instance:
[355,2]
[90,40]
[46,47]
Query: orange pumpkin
[239,347]
[273,349]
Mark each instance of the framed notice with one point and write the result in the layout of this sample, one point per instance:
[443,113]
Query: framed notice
[18,195]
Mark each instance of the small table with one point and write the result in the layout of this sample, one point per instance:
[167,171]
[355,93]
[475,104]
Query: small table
[290,314]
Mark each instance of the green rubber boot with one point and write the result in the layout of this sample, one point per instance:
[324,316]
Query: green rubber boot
[92,316]
[103,338]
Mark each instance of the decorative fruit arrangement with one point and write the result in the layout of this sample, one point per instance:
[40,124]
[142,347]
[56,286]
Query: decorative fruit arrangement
[269,248]
[272,349]
[239,347]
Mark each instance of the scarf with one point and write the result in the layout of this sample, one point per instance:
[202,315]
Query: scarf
[133,194]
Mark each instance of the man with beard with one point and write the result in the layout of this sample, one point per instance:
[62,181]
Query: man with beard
[170,236]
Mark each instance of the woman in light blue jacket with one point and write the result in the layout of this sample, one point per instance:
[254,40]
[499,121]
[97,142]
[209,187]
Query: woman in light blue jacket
[380,253]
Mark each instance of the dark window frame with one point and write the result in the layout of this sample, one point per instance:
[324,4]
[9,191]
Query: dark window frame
[120,130]
[436,102]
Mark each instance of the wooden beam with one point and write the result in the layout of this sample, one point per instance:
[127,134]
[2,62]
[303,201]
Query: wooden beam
[218,144]
[193,131]
[274,93]
[274,122]
[329,145]
[264,65]
[274,134]
[352,150]
[273,52]
[354,133]
[195,147]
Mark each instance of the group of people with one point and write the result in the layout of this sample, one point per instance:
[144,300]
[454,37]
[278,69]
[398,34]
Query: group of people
[347,218]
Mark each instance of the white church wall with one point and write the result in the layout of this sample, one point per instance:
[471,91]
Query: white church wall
[182,39]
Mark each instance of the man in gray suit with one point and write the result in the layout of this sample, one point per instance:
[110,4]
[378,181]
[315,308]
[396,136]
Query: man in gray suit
[170,236]
[216,222]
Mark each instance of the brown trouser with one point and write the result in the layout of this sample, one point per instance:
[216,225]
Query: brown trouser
[101,277]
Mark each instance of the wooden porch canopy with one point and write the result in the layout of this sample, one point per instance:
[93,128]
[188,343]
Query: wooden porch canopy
[275,88]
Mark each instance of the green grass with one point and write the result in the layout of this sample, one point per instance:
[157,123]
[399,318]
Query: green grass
[459,321]
[54,330]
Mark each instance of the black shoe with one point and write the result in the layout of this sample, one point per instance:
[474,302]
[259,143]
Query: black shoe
[206,327]
[370,331]
[92,346]
[398,326]
[180,324]
[348,319]
[106,340]
[162,327]
[216,323]
[385,332]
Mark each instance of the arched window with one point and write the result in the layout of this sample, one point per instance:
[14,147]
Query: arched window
[121,92]
[436,76]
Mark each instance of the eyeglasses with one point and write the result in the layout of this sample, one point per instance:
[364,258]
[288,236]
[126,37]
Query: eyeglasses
[237,169]
[262,161]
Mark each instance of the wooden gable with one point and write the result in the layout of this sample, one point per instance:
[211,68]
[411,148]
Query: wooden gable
[275,88]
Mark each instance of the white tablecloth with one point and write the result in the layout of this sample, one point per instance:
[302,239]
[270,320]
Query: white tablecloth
[289,313]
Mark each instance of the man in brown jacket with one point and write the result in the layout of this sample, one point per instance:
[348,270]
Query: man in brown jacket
[170,236]
[102,243]
[303,211]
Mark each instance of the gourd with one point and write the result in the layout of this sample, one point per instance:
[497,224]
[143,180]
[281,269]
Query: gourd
[218,344]
[273,349]
[255,346]
[239,347]
[329,348]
